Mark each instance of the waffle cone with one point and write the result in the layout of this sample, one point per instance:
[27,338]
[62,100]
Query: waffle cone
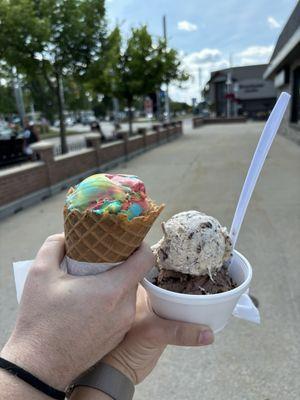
[105,238]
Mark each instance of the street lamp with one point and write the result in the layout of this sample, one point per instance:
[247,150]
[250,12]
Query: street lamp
[236,89]
[228,85]
[18,95]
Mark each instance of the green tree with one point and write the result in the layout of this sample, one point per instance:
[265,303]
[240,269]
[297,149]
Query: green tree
[77,96]
[54,39]
[178,106]
[42,96]
[7,101]
[134,69]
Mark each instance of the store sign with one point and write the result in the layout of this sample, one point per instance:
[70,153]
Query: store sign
[250,89]
[280,78]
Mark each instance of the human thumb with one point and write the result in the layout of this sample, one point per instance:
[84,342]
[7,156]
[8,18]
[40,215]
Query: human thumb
[162,332]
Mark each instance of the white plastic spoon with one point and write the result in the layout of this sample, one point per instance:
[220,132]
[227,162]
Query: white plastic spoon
[257,163]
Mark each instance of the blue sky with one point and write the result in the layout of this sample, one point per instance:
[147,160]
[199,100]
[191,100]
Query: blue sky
[207,32]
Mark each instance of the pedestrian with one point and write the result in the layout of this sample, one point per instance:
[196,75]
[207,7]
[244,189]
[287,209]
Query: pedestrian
[30,135]
[67,324]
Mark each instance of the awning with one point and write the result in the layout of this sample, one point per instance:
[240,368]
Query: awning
[283,54]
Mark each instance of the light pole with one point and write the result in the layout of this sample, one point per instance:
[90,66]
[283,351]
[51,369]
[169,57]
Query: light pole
[116,109]
[235,91]
[115,101]
[228,85]
[18,95]
[167,103]
[200,84]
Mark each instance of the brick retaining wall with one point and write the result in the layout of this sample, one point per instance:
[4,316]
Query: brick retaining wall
[112,151]
[67,165]
[198,121]
[24,185]
[135,144]
[19,182]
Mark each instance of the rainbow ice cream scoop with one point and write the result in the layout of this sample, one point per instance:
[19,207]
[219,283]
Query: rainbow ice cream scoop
[109,194]
[106,218]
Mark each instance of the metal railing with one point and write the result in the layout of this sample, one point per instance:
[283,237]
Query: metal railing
[74,146]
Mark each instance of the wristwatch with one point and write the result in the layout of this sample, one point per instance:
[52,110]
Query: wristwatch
[107,379]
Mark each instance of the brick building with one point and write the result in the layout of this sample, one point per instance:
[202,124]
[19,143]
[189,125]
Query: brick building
[237,91]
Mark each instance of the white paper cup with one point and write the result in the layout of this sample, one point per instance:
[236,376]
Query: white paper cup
[213,310]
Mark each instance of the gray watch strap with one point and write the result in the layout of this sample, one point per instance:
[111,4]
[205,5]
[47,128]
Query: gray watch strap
[107,379]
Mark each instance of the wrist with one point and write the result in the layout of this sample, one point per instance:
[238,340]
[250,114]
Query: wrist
[121,366]
[38,361]
[106,380]
[12,387]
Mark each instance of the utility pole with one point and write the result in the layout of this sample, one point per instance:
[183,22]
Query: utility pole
[167,103]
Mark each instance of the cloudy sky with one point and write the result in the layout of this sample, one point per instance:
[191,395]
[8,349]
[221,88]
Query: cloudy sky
[208,33]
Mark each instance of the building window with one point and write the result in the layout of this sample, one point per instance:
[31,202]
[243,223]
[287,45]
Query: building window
[295,114]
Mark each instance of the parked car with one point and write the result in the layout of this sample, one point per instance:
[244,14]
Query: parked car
[6,132]
[69,121]
[11,146]
[87,119]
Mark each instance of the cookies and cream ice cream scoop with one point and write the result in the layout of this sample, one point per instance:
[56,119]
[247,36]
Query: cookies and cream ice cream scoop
[193,243]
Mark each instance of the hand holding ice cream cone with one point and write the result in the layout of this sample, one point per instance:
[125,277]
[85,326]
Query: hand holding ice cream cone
[72,321]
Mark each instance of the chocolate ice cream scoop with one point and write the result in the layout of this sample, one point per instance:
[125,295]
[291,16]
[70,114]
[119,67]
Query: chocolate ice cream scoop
[193,243]
[191,284]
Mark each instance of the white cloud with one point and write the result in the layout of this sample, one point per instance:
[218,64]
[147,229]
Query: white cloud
[254,55]
[273,23]
[186,26]
[257,51]
[203,56]
[200,64]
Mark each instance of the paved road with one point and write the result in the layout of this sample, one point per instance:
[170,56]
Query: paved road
[204,170]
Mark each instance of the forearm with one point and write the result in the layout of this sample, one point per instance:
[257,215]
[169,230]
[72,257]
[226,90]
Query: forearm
[85,393]
[12,387]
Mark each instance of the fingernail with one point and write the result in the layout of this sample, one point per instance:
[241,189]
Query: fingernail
[206,337]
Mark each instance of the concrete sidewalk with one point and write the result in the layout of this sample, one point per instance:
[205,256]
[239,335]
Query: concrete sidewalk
[204,170]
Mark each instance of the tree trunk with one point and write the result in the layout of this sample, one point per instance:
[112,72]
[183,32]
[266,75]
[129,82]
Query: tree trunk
[61,109]
[130,116]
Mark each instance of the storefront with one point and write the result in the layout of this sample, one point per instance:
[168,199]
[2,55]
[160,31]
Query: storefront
[240,91]
[284,69]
